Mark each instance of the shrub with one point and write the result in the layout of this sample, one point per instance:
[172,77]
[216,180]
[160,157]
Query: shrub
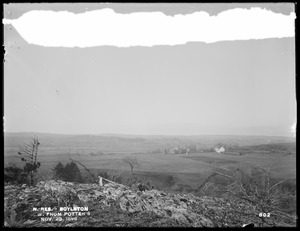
[69,172]
[130,181]
[138,184]
[15,175]
[58,171]
[169,180]
[261,192]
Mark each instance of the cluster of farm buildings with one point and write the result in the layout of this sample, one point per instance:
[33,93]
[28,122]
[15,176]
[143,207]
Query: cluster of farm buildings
[177,150]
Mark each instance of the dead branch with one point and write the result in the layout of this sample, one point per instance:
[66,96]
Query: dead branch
[81,165]
[113,182]
[279,183]
[224,175]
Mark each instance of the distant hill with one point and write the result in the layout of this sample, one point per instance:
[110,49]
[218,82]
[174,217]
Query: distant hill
[275,146]
[142,142]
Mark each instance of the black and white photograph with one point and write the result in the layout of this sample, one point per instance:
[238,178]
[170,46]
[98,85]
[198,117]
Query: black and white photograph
[149,115]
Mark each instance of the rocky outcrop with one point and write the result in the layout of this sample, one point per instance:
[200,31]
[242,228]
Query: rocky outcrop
[57,203]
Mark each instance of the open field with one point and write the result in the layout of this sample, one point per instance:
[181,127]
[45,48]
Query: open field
[284,166]
[174,172]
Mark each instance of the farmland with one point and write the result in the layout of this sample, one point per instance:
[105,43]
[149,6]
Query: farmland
[174,172]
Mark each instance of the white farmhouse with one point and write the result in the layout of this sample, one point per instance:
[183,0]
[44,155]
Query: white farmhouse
[220,149]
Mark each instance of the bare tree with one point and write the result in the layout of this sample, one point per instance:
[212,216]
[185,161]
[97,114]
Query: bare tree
[132,162]
[28,154]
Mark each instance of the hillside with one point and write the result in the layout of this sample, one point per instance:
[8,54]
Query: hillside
[114,205]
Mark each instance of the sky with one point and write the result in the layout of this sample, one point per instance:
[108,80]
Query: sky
[237,79]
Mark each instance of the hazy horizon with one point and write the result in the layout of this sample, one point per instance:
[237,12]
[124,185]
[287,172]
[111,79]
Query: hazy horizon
[127,134]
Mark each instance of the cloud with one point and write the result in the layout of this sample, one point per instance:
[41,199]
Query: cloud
[106,27]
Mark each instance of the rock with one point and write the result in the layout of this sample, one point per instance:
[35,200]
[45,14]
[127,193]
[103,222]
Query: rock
[29,222]
[71,225]
[116,201]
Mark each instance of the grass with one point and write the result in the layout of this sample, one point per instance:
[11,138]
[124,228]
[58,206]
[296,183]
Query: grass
[186,169]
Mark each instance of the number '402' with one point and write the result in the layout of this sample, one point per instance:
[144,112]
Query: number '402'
[264,214]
